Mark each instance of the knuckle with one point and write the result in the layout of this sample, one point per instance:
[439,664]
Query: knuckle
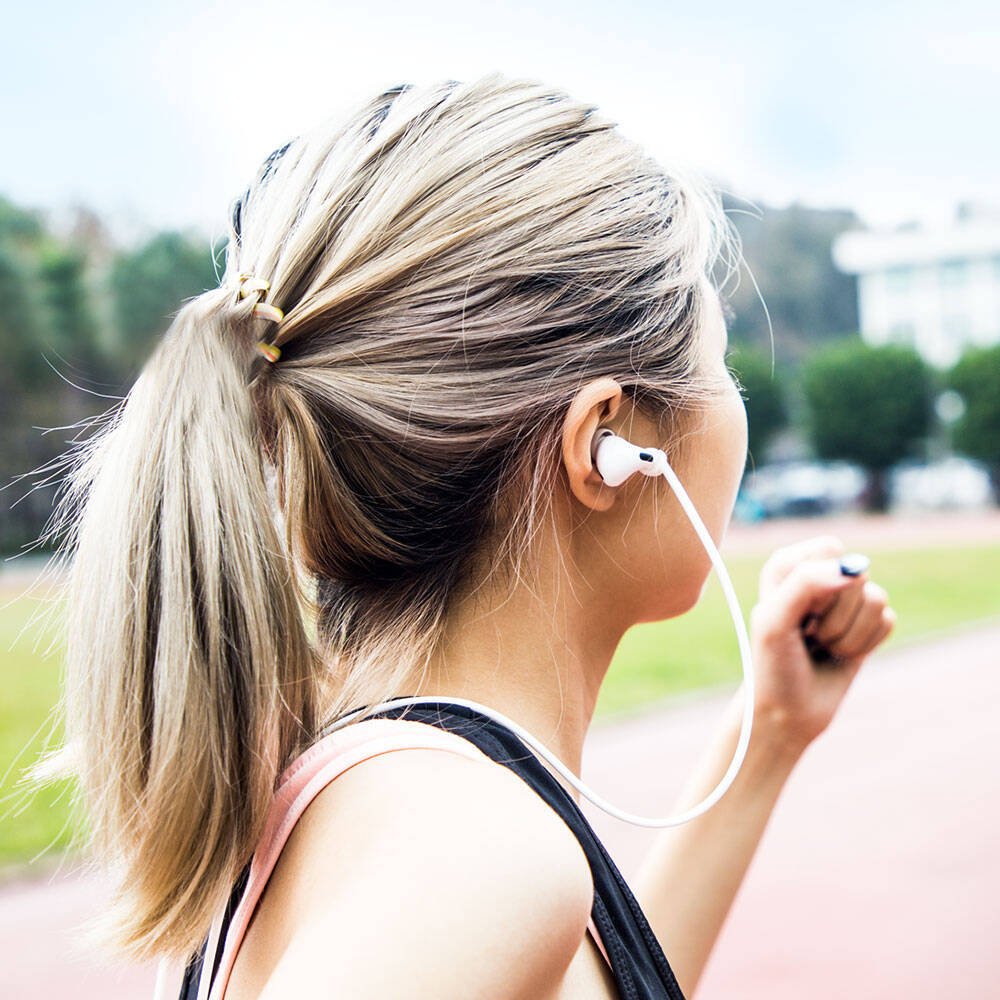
[774,560]
[758,621]
[810,573]
[845,651]
[800,568]
[876,594]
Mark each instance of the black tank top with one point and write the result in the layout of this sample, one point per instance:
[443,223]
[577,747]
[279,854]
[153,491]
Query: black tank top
[639,967]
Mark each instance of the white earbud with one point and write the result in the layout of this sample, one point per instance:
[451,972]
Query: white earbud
[617,459]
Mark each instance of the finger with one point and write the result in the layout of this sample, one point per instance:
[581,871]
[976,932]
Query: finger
[808,585]
[883,628]
[845,601]
[783,560]
[837,617]
[853,640]
[889,619]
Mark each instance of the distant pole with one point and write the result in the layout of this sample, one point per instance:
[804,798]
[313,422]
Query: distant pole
[948,406]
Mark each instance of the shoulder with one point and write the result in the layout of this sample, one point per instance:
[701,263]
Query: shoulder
[433,865]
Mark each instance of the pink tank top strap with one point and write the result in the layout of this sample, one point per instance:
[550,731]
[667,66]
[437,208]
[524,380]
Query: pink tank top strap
[328,758]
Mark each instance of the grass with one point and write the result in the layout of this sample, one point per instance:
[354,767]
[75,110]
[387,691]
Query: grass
[32,685]
[932,589]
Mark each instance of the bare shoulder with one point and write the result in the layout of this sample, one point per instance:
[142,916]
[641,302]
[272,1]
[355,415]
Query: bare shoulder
[424,873]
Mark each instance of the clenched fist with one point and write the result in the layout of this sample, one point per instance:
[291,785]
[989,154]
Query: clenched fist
[802,592]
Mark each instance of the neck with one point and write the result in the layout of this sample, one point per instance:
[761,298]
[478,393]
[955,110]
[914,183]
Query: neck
[537,655]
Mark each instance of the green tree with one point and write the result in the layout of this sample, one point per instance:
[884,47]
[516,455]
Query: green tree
[62,307]
[976,378]
[764,396]
[148,286]
[71,330]
[868,405]
[26,399]
[19,227]
[21,323]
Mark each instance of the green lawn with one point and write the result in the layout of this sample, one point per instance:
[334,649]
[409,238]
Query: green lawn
[28,823]
[931,589]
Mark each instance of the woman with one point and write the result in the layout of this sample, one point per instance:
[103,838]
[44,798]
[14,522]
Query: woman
[427,313]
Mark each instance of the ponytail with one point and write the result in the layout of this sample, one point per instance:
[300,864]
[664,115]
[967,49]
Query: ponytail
[189,672]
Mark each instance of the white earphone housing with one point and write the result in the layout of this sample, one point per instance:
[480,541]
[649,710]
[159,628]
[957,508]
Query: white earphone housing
[617,459]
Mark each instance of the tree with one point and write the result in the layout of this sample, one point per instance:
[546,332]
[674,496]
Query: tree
[868,405]
[149,285]
[72,329]
[976,378]
[763,395]
[76,318]
[21,374]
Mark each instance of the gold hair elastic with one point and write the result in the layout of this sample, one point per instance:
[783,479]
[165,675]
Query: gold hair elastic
[248,285]
[270,351]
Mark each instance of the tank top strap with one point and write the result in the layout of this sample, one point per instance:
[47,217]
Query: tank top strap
[299,784]
[616,923]
[620,928]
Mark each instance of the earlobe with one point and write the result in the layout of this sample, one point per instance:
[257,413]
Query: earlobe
[595,403]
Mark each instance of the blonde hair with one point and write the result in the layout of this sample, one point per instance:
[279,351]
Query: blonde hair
[257,548]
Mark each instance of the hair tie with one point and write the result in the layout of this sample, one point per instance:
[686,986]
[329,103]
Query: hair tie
[270,351]
[249,284]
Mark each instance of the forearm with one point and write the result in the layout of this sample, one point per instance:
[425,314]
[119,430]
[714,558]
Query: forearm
[687,882]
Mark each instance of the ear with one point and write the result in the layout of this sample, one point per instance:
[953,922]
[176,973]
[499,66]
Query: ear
[596,403]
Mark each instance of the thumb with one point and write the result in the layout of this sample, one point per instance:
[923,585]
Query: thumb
[807,588]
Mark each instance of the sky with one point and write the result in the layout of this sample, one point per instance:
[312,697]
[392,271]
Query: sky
[157,114]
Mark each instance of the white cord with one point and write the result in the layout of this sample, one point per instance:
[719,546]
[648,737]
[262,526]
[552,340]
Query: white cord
[662,467]
[163,971]
[208,962]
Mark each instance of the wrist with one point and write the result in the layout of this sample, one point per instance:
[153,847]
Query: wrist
[776,730]
[773,736]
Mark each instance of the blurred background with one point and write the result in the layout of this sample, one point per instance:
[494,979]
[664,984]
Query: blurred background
[855,148]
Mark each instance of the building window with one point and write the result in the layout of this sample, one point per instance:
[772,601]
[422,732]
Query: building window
[953,272]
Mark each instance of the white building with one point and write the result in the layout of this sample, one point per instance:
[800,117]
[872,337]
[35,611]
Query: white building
[935,289]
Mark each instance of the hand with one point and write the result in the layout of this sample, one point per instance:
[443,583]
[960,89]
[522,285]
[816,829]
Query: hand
[795,699]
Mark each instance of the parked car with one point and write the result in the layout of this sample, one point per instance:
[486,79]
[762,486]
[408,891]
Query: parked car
[953,482]
[748,507]
[804,488]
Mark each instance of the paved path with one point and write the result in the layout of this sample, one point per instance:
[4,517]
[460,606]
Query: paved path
[864,532]
[878,874]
